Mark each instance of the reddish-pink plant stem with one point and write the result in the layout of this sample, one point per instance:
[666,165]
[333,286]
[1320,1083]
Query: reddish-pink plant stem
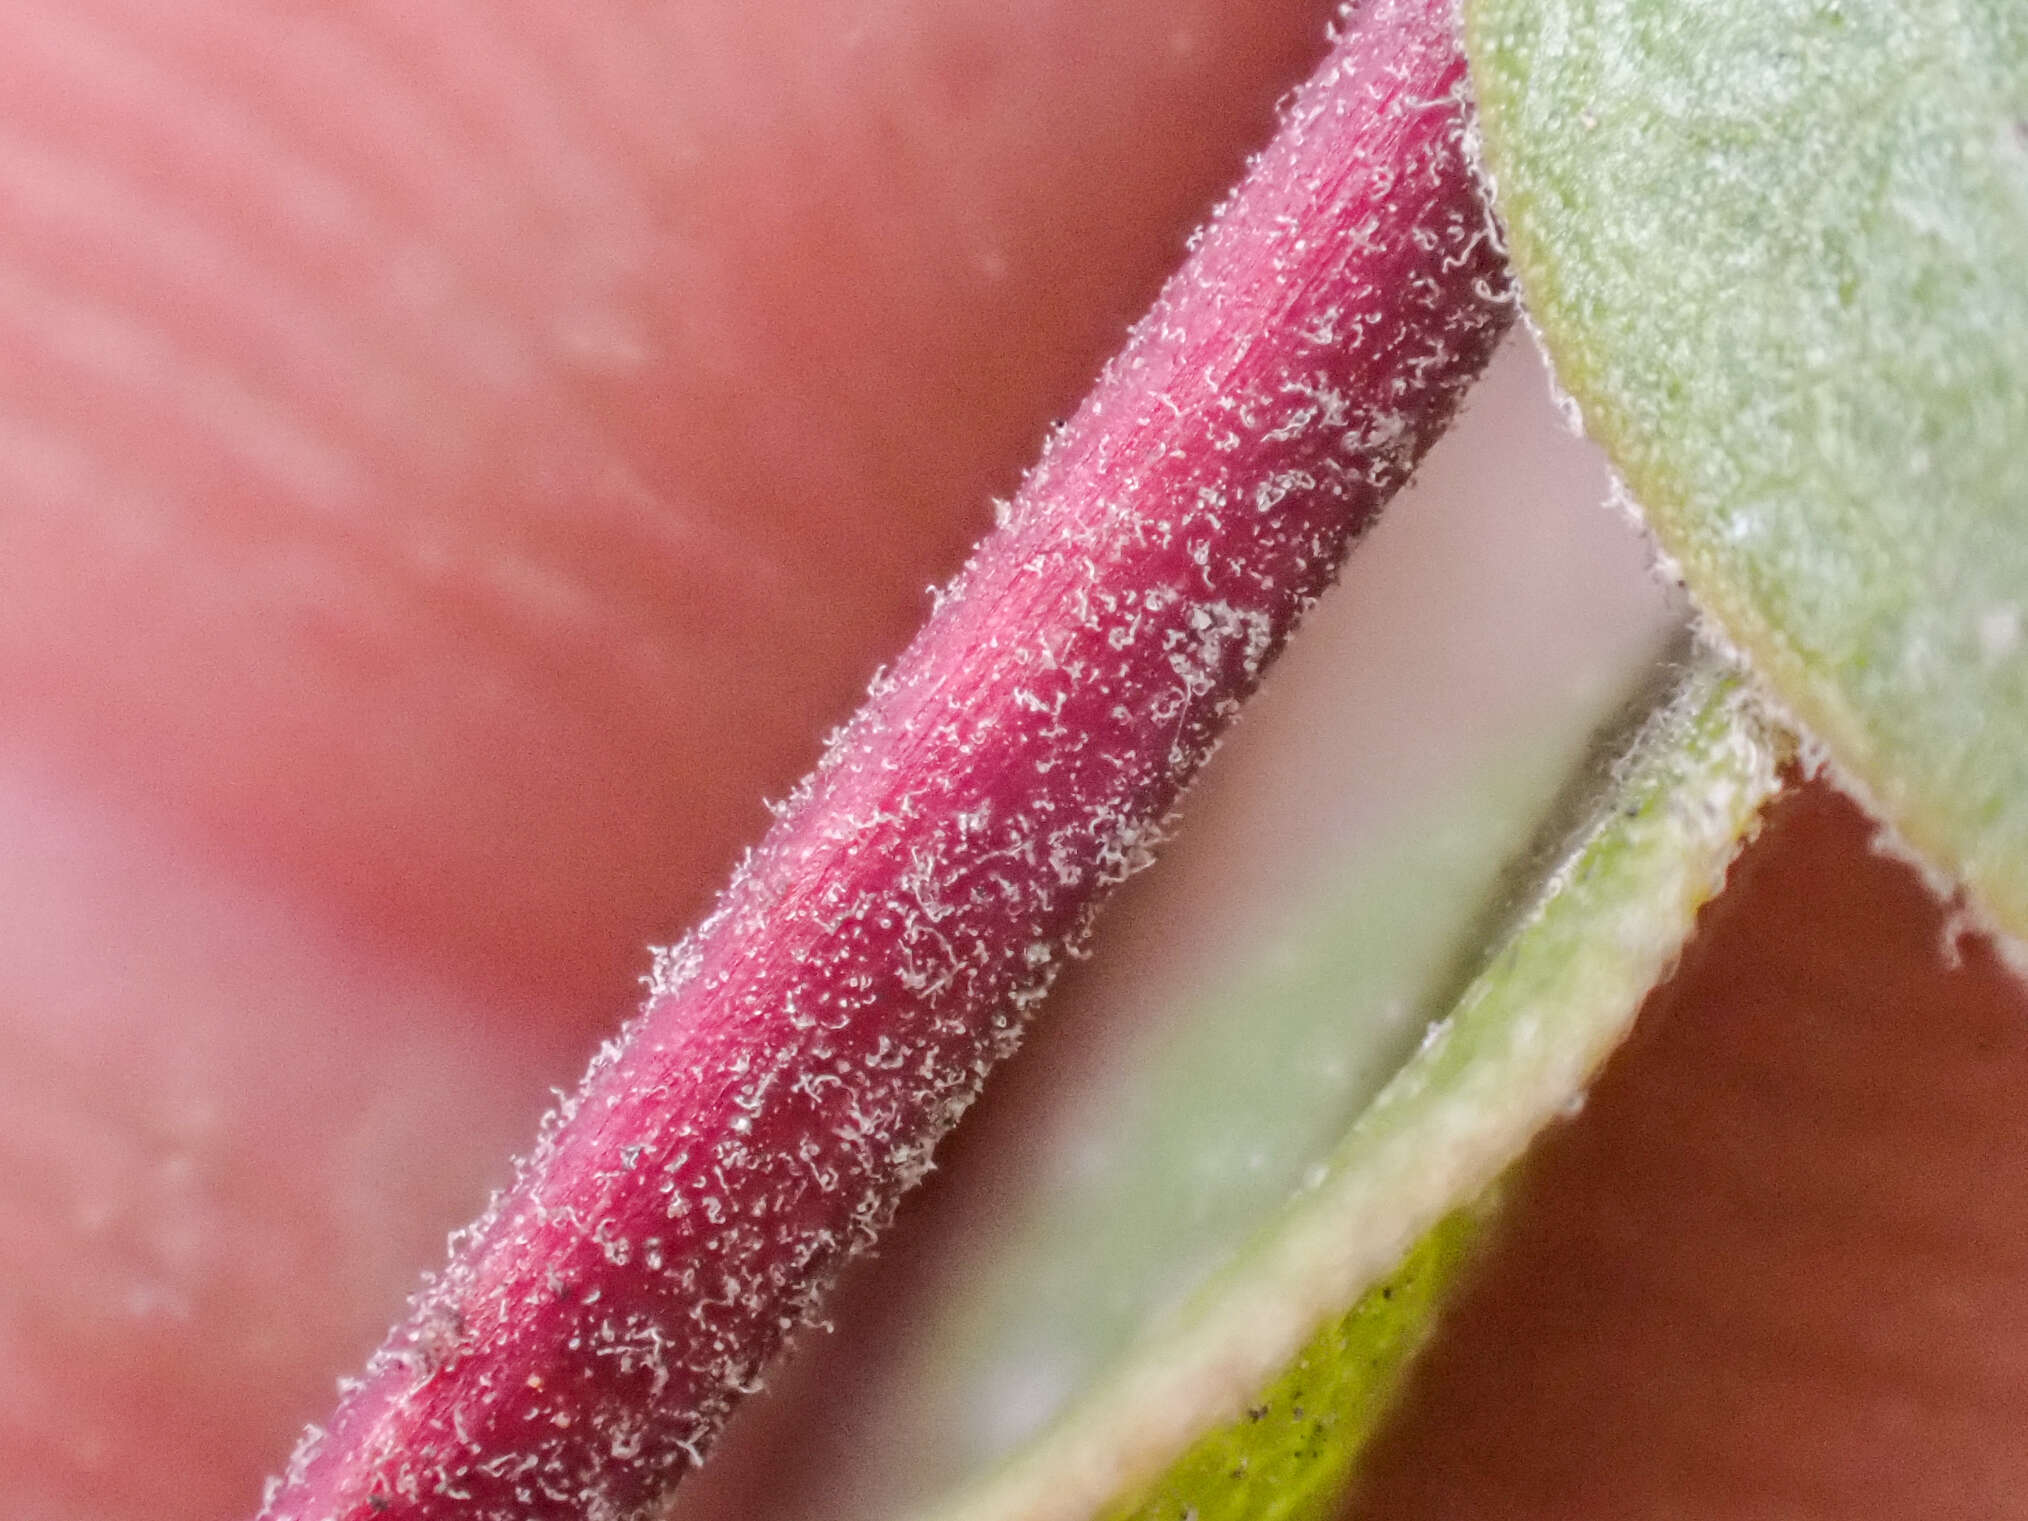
[803,1051]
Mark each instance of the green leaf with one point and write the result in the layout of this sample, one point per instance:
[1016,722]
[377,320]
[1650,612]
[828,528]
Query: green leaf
[1288,1457]
[1778,251]
[1254,1399]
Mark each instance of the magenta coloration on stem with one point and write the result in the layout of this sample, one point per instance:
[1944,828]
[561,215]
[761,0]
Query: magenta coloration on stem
[803,1050]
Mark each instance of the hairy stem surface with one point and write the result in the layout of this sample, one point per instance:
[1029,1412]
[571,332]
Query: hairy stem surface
[804,1049]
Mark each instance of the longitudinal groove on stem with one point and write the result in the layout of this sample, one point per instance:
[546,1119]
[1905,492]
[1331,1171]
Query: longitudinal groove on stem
[804,1049]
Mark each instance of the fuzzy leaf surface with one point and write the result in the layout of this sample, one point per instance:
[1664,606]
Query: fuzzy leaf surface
[1776,251]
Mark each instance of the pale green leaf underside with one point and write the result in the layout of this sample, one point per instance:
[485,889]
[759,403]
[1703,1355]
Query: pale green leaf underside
[1254,1399]
[1778,250]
